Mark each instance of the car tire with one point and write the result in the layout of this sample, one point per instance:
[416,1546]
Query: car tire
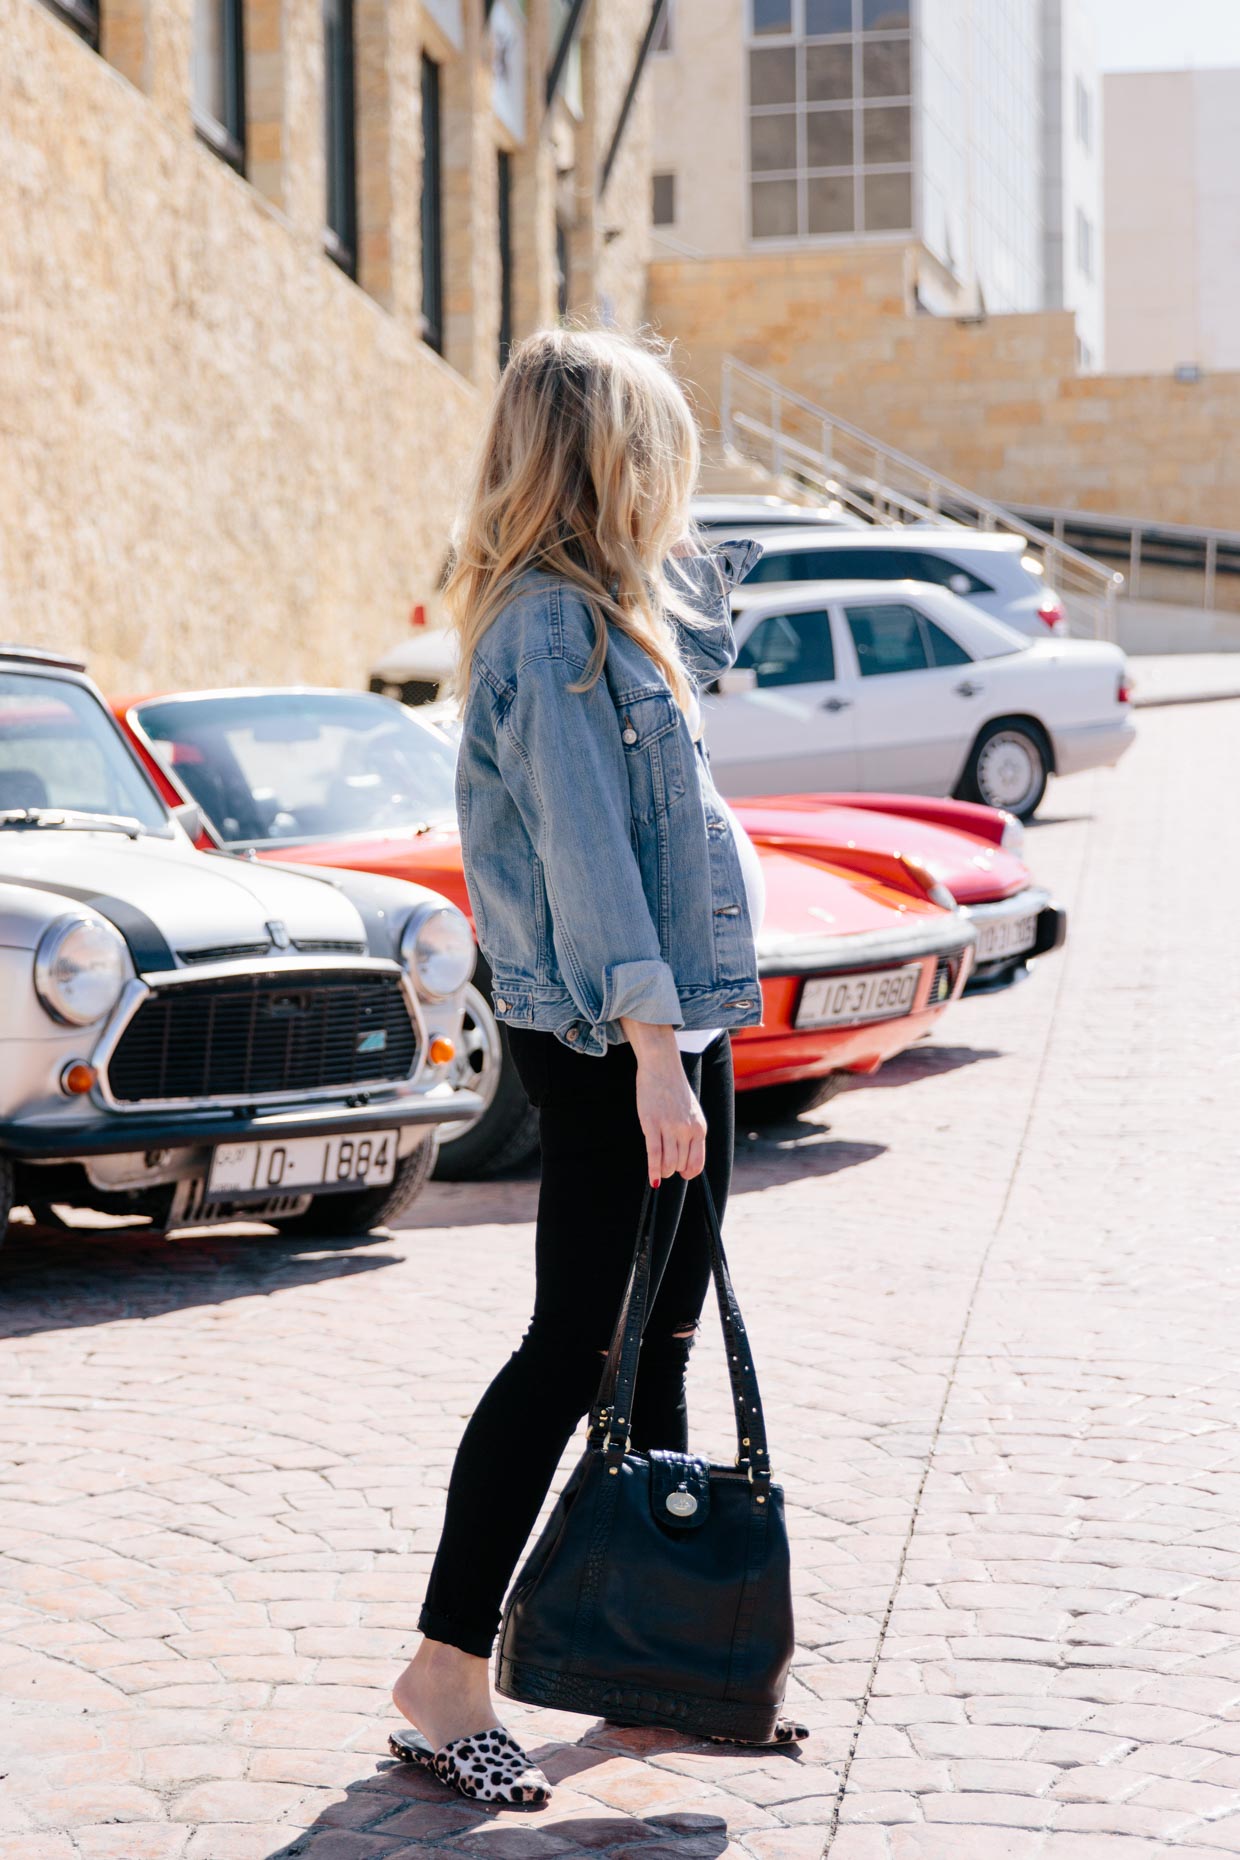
[1008,767]
[506,1134]
[6,1195]
[776,1104]
[330,1215]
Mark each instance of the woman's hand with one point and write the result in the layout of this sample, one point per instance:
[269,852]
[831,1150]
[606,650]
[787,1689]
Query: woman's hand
[670,1116]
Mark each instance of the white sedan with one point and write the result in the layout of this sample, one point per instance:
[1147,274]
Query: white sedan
[902,686]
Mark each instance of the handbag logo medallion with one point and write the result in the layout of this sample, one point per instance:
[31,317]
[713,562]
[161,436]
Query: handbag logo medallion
[682,1503]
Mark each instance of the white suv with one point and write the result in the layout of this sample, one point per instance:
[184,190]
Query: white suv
[991,570]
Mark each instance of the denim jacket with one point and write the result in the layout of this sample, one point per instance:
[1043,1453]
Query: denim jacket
[602,872]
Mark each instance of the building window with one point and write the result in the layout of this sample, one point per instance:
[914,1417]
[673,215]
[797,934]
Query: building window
[1084,115]
[663,191]
[769,16]
[504,180]
[82,15]
[340,237]
[664,40]
[432,208]
[218,77]
[830,118]
[1084,244]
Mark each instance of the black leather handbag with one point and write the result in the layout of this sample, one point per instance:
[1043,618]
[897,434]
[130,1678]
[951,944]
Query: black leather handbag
[659,1591]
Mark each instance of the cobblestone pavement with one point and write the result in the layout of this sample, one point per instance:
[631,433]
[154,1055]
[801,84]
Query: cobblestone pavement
[995,1301]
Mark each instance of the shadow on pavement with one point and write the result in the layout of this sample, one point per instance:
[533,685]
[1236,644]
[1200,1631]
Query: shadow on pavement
[793,1151]
[72,1279]
[396,1805]
[924,1062]
[502,1201]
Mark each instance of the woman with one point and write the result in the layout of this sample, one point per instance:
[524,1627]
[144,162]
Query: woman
[615,898]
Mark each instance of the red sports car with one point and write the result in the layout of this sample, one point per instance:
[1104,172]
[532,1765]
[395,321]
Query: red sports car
[863,946]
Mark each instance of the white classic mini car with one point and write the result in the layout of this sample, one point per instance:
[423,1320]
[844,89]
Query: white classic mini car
[193,1040]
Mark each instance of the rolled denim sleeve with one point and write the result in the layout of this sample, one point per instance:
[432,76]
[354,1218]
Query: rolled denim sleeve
[706,581]
[561,757]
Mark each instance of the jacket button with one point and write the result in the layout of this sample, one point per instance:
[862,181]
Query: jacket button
[572,1036]
[501,1006]
[629,736]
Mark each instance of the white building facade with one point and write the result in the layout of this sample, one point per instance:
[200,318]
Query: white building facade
[787,123]
[1072,161]
[1172,187]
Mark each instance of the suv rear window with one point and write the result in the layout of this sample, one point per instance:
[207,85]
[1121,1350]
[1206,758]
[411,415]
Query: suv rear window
[886,564]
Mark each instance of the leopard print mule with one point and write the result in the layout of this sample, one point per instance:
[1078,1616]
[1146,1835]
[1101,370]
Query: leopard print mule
[489,1766]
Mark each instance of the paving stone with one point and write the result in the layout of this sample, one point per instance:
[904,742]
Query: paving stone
[225,1457]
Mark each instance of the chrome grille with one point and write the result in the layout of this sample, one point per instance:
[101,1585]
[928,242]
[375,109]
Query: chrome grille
[255,1035]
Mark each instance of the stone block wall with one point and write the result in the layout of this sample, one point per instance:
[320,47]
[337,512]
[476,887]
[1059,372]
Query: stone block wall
[221,459]
[997,405]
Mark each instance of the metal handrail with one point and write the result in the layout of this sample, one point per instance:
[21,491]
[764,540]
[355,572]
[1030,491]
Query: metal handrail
[867,482]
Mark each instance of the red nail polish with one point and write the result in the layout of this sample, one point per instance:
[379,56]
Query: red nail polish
[654,1181]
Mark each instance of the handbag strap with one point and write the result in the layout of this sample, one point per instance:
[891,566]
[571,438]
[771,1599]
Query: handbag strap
[611,1414]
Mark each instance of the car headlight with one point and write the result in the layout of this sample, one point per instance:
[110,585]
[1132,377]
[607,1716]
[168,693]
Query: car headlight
[437,948]
[1012,838]
[79,969]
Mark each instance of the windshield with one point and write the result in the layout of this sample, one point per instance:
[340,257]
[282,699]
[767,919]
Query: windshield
[302,765]
[60,750]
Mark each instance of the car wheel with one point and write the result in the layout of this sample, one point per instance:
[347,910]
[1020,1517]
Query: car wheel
[369,1207]
[6,1195]
[1008,768]
[507,1131]
[775,1104]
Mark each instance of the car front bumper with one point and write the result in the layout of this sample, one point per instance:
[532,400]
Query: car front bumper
[1000,970]
[105,1134]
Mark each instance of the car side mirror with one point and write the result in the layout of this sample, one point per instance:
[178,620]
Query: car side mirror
[191,819]
[736,680]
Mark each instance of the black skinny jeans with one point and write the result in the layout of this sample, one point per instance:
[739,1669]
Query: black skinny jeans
[593,1178]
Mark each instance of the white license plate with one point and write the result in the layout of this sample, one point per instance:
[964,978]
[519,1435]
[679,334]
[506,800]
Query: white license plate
[1006,937]
[364,1160]
[835,1000]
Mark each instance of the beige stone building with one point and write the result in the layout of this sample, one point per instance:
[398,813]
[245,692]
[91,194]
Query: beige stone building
[261,258]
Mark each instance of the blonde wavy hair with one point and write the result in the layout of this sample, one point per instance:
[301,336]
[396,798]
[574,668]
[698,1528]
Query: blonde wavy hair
[585,471]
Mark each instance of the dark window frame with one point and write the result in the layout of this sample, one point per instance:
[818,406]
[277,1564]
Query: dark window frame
[887,562]
[227,138]
[926,630]
[563,268]
[667,177]
[340,238]
[432,205]
[503,183]
[792,617]
[82,16]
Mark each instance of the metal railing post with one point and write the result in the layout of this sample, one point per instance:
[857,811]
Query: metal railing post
[777,449]
[1207,586]
[1134,565]
[725,401]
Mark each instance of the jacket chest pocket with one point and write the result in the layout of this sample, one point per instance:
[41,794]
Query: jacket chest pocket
[651,735]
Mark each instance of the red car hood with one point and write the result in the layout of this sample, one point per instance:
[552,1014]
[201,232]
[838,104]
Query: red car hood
[974,869]
[806,894]
[807,899]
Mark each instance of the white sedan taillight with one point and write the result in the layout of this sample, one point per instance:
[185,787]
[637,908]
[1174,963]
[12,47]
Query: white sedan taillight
[1051,612]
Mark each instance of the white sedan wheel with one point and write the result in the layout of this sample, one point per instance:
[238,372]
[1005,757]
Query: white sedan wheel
[1010,770]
